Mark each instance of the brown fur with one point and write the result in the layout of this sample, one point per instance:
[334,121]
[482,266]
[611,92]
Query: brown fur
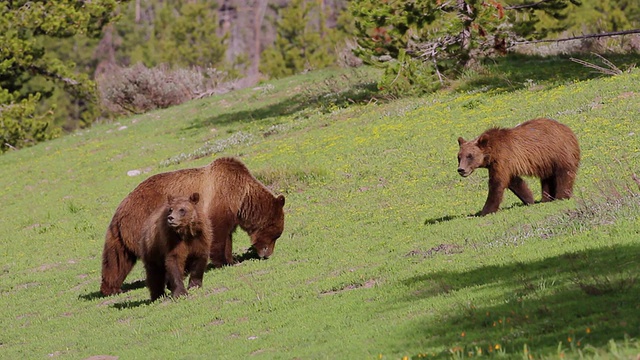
[542,148]
[173,239]
[230,196]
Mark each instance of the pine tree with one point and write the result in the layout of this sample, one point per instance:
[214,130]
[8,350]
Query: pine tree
[190,38]
[303,41]
[431,40]
[25,62]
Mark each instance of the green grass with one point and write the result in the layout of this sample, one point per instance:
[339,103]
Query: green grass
[381,256]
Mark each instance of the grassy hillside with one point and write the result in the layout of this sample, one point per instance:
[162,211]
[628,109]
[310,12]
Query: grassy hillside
[381,256]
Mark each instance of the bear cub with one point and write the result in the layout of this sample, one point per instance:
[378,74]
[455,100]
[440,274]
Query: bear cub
[176,238]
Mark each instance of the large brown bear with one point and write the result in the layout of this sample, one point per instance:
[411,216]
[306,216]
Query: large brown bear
[173,240]
[230,196]
[543,148]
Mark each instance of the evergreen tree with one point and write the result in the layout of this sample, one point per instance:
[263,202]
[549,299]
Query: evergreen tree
[172,32]
[303,41]
[27,69]
[190,38]
[430,40]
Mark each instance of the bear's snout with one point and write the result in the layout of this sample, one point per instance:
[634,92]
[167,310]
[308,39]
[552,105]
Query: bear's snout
[171,221]
[263,252]
[463,172]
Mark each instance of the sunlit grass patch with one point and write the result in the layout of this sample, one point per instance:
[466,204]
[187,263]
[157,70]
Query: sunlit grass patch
[288,179]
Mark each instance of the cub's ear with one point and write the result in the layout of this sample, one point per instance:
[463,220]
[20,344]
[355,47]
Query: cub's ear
[280,200]
[195,197]
[483,140]
[461,141]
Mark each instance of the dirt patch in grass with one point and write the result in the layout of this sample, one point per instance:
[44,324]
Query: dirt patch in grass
[445,249]
[366,285]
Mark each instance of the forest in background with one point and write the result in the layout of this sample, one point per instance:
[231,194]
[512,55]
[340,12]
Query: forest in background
[204,47]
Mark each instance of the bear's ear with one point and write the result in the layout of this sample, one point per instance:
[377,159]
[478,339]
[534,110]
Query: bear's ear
[483,140]
[195,197]
[280,200]
[461,141]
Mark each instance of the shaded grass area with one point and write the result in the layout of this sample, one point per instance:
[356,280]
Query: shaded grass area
[320,92]
[382,256]
[516,72]
[541,307]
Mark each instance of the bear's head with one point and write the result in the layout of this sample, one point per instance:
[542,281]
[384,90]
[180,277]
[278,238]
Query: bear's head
[182,213]
[263,239]
[472,155]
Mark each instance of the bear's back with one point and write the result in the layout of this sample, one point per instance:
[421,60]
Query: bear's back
[534,147]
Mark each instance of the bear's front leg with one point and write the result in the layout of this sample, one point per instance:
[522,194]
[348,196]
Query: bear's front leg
[228,250]
[196,271]
[521,190]
[496,192]
[155,278]
[221,247]
[175,275]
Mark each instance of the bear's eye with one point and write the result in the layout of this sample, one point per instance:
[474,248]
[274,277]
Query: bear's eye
[181,211]
[170,210]
[469,156]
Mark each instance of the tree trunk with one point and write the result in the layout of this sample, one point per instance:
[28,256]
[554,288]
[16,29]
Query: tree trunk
[260,8]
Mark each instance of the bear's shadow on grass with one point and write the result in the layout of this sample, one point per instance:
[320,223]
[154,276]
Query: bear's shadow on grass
[135,285]
[139,284]
[131,304]
[433,221]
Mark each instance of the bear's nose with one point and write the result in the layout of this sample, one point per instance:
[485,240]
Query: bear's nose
[170,217]
[460,171]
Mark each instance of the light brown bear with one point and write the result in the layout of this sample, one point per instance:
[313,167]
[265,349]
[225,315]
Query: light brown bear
[173,240]
[230,196]
[542,148]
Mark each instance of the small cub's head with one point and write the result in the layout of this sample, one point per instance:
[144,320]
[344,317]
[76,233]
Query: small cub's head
[181,210]
[263,240]
[472,155]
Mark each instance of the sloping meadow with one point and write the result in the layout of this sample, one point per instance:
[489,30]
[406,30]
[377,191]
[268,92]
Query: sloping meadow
[382,256]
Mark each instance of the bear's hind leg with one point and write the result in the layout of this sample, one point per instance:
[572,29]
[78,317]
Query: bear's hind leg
[564,183]
[117,262]
[549,191]
[521,190]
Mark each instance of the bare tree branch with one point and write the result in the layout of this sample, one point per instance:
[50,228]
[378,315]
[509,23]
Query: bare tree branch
[525,6]
[47,73]
[587,36]
[613,70]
